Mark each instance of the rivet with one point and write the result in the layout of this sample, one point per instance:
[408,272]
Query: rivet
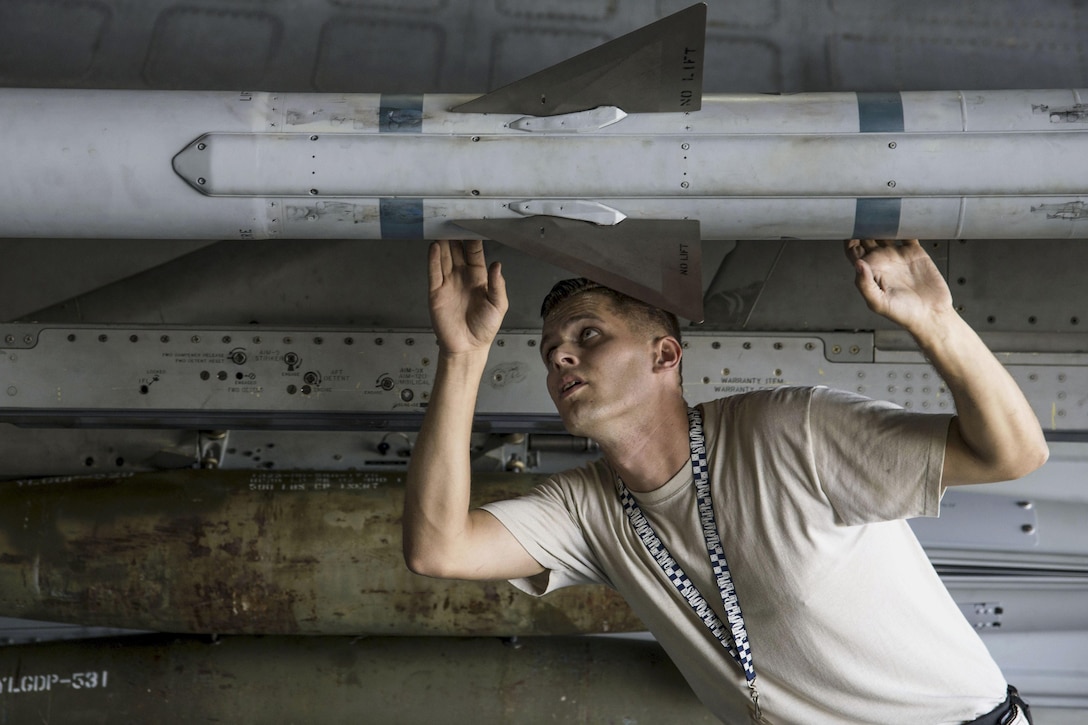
[1028,529]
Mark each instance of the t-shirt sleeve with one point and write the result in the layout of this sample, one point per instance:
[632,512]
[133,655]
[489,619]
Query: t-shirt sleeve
[543,523]
[875,460]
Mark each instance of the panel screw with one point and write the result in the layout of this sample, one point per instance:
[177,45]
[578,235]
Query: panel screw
[684,184]
[891,184]
[202,146]
[891,145]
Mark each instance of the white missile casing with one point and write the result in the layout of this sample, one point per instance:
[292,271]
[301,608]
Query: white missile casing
[215,165]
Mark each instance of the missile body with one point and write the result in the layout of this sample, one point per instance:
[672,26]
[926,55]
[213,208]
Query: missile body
[246,552]
[256,552]
[214,165]
[344,680]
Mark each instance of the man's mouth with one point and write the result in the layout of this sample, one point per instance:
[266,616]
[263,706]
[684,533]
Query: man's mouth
[568,386]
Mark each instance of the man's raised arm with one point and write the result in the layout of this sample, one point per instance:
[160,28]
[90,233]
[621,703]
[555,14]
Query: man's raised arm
[442,537]
[995,435]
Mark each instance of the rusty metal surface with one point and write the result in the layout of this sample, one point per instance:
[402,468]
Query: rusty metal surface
[246,552]
[330,680]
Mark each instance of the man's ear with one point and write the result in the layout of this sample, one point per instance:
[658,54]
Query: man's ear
[668,353]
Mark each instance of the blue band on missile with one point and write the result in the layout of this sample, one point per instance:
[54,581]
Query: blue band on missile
[400,113]
[401,218]
[877,218]
[880,112]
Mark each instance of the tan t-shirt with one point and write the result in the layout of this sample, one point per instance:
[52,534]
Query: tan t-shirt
[847,619]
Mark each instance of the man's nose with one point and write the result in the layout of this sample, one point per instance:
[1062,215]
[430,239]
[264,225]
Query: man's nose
[564,356]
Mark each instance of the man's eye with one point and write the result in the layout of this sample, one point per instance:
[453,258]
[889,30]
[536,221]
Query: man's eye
[590,332]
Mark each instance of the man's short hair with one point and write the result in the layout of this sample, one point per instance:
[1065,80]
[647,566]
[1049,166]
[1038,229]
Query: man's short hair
[636,311]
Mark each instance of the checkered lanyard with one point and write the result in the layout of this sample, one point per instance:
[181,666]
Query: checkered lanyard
[737,645]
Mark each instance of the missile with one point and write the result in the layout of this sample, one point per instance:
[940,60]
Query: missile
[206,551]
[613,164]
[318,553]
[344,680]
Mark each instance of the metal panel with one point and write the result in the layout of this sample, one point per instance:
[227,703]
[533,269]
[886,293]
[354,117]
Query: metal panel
[88,375]
[973,521]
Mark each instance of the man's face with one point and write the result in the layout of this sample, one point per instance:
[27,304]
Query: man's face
[599,364]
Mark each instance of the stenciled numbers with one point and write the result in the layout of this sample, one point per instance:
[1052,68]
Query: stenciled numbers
[46,683]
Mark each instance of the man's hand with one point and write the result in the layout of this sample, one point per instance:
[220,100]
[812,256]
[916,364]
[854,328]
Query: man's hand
[995,435]
[468,299]
[899,281]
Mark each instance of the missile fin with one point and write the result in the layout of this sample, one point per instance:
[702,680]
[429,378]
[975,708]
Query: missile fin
[655,69]
[654,260]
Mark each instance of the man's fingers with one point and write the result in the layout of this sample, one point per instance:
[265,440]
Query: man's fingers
[439,263]
[853,250]
[435,271]
[457,253]
[866,282]
[496,285]
[474,253]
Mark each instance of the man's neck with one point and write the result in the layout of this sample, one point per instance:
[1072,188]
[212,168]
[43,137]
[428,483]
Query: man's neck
[646,456]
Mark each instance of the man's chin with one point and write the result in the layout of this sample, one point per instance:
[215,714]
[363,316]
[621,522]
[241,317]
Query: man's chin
[576,423]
